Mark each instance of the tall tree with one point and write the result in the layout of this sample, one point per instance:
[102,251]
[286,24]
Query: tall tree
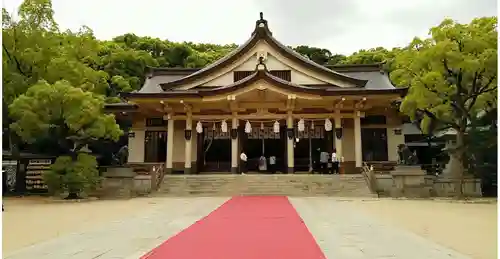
[371,56]
[318,55]
[34,49]
[68,113]
[452,78]
[71,116]
[336,59]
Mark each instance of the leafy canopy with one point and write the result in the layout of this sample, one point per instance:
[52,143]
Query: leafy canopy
[452,75]
[62,110]
[73,176]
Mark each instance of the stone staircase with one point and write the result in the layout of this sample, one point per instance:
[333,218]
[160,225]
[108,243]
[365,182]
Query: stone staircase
[259,184]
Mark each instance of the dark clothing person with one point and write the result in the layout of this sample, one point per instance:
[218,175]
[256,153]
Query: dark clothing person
[335,163]
[272,164]
[323,160]
[335,167]
[243,163]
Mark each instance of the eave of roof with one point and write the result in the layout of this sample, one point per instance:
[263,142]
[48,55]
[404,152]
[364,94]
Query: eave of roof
[356,67]
[261,32]
[110,107]
[330,90]
[160,71]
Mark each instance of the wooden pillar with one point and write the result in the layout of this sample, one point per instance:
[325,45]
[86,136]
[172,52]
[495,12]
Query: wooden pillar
[170,146]
[188,137]
[234,144]
[338,141]
[358,153]
[290,143]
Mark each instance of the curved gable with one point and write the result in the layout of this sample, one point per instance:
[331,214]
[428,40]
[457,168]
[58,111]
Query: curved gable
[245,51]
[299,75]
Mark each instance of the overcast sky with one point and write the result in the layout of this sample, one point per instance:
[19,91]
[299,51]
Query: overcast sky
[342,26]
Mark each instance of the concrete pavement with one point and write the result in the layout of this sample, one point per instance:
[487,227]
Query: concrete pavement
[341,231]
[128,238]
[344,232]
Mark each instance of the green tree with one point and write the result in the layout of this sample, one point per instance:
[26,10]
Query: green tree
[318,55]
[371,56]
[128,64]
[336,59]
[482,146]
[74,177]
[60,110]
[452,78]
[34,49]
[70,115]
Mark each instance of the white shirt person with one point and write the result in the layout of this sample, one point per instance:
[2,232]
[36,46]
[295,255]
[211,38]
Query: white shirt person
[243,162]
[243,156]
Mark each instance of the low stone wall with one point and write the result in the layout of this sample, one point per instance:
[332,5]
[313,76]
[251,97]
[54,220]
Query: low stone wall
[384,184]
[446,187]
[143,184]
[125,183]
[412,182]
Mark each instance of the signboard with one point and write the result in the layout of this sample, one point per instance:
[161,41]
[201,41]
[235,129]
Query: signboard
[9,169]
[216,134]
[263,133]
[316,133]
[34,174]
[267,133]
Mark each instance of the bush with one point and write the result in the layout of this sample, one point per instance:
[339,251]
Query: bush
[74,176]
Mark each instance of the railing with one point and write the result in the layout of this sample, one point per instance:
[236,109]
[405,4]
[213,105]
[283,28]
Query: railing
[370,178]
[159,172]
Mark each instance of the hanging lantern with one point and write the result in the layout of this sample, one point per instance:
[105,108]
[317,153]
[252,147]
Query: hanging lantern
[199,127]
[262,125]
[328,125]
[312,125]
[213,127]
[276,127]
[301,126]
[223,126]
[248,127]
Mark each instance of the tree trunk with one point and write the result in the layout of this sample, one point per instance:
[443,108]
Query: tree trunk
[72,195]
[459,154]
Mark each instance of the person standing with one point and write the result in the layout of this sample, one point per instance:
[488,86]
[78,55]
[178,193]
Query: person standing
[262,164]
[323,160]
[335,162]
[272,164]
[243,162]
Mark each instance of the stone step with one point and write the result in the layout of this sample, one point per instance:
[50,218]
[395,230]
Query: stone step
[253,184]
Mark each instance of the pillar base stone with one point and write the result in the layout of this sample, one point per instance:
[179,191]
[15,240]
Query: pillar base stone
[187,170]
[234,170]
[168,170]
[290,170]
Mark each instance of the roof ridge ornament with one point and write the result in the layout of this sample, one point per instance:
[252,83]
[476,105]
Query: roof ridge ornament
[261,24]
[261,66]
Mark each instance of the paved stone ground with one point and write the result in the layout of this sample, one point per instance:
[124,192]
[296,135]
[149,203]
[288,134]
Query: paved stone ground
[341,231]
[129,238]
[344,232]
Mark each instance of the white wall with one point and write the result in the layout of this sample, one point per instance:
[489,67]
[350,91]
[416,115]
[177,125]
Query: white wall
[393,141]
[136,146]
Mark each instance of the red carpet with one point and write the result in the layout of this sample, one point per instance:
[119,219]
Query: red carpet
[244,228]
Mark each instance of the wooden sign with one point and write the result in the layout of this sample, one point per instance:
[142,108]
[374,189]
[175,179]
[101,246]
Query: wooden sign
[216,134]
[316,133]
[34,174]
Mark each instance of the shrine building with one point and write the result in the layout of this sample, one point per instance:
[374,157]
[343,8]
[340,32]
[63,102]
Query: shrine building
[263,98]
